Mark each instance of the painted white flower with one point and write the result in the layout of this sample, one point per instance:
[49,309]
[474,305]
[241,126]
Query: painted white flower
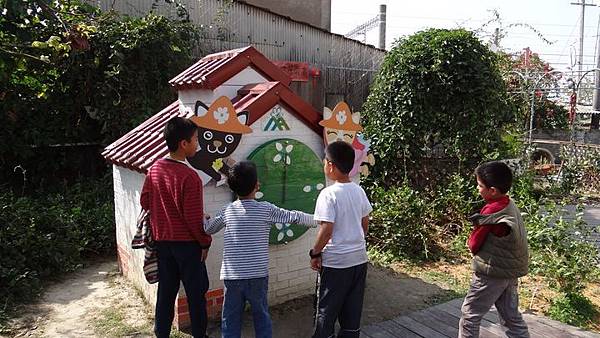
[283,153]
[284,230]
[308,188]
[259,195]
[341,117]
[221,115]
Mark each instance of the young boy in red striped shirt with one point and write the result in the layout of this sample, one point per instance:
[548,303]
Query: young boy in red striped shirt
[172,193]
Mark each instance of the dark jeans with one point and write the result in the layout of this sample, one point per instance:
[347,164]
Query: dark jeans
[180,261]
[340,298]
[237,292]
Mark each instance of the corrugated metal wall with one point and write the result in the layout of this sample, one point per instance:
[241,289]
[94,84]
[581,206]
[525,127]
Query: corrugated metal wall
[347,66]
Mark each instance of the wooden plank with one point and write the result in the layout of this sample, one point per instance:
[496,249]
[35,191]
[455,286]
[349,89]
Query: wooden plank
[388,329]
[430,320]
[445,317]
[561,327]
[455,312]
[364,335]
[417,327]
[452,310]
[398,330]
[375,331]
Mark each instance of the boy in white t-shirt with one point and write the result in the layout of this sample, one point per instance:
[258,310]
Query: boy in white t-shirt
[340,253]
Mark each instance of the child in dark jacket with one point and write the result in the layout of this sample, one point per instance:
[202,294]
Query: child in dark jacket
[500,255]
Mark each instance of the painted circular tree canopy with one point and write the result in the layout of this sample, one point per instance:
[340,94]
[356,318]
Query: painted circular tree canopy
[291,176]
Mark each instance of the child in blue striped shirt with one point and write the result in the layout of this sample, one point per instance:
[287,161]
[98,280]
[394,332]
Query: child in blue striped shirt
[245,267]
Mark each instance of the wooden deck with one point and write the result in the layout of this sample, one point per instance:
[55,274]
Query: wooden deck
[441,321]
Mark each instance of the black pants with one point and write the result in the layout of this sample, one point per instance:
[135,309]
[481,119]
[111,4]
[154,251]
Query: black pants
[180,261]
[340,298]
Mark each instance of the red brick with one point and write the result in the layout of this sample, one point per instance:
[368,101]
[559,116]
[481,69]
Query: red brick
[183,308]
[214,293]
[183,318]
[181,301]
[219,300]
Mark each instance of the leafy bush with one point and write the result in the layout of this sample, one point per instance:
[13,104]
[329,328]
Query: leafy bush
[401,223]
[559,250]
[434,78]
[411,224]
[47,235]
[573,309]
[70,74]
[580,170]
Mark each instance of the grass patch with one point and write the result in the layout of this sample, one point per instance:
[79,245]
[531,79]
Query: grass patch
[111,323]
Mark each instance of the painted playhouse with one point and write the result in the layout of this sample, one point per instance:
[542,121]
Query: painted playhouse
[244,109]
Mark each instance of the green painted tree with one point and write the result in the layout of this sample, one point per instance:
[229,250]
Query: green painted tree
[439,93]
[291,177]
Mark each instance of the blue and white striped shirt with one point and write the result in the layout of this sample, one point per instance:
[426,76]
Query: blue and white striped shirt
[246,241]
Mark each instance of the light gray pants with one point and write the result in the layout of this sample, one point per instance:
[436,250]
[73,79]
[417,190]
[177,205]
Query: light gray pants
[484,293]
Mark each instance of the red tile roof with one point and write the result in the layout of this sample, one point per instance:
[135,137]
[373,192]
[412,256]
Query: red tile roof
[139,148]
[214,69]
[259,98]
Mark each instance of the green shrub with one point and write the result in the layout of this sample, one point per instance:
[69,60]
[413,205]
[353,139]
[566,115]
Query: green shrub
[411,224]
[401,223]
[81,75]
[437,90]
[573,309]
[45,236]
[559,249]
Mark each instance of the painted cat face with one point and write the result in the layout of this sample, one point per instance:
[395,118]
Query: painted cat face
[340,124]
[220,131]
[332,135]
[217,144]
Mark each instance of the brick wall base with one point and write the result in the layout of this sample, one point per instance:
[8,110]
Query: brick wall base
[214,304]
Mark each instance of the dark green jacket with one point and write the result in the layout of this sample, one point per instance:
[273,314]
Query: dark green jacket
[503,257]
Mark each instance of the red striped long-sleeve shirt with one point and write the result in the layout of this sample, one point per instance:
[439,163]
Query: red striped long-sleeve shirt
[172,193]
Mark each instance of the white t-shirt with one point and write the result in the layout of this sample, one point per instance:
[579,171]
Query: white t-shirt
[344,205]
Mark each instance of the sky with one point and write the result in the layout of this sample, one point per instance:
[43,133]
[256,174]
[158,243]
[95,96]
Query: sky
[557,20]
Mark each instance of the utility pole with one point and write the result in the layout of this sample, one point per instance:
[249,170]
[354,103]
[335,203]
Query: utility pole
[496,44]
[377,21]
[596,102]
[382,22]
[581,31]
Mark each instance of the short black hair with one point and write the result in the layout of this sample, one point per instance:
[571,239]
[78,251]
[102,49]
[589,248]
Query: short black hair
[178,129]
[341,154]
[242,178]
[495,174]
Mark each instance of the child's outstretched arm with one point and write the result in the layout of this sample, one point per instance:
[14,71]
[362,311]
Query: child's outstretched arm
[214,225]
[279,215]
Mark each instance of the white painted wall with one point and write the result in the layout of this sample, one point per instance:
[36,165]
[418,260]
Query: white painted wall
[128,187]
[188,98]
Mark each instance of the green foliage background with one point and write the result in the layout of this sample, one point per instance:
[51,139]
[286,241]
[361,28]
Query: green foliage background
[439,88]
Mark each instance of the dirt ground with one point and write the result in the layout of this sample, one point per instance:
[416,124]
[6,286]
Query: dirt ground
[98,302]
